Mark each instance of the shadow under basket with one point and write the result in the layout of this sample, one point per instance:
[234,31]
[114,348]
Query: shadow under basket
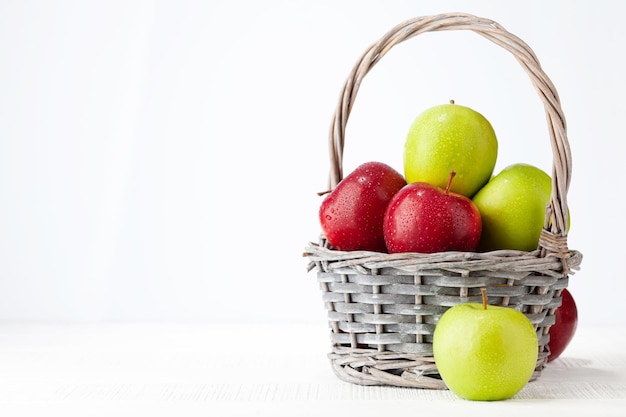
[383,308]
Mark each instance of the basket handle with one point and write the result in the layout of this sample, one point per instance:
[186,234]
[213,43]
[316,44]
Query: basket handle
[556,213]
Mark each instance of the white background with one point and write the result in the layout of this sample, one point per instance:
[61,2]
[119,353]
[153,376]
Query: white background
[159,160]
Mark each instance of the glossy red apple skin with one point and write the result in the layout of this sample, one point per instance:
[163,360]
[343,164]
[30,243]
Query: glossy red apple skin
[564,328]
[425,218]
[351,216]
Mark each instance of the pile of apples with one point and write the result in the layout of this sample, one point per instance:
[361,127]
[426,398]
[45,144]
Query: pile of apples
[447,200]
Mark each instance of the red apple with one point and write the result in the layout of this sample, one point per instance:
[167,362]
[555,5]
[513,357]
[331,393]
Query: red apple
[562,331]
[425,218]
[352,214]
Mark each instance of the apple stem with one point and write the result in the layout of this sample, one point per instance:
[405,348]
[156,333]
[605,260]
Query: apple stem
[452,101]
[452,174]
[483,291]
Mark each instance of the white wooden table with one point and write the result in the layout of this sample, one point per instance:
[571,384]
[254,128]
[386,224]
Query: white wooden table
[143,369]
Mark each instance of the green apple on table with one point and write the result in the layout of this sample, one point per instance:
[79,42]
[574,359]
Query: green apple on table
[485,352]
[513,208]
[451,137]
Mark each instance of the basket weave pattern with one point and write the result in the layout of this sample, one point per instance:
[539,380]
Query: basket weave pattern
[383,308]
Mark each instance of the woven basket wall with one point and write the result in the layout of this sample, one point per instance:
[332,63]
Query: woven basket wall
[383,308]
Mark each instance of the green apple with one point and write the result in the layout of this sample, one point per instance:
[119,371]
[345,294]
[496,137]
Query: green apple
[512,206]
[451,137]
[484,352]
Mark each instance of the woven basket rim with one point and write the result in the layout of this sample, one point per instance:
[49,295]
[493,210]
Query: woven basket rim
[555,264]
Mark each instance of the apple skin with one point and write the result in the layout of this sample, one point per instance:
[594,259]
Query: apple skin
[513,208]
[425,218]
[451,137]
[485,354]
[564,328]
[351,216]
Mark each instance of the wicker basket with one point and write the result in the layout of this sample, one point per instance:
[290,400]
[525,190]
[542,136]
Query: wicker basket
[383,308]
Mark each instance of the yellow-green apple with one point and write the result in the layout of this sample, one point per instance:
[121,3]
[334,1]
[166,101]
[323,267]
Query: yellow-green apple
[425,218]
[563,330]
[513,208]
[451,137]
[351,215]
[485,352]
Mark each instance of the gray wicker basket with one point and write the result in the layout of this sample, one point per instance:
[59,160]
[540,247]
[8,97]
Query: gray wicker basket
[383,308]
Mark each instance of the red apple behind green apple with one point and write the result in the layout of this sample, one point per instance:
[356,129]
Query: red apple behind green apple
[563,330]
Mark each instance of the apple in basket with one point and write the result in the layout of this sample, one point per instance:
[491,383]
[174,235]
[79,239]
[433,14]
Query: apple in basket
[425,218]
[513,208]
[351,215]
[564,328]
[484,352]
[451,137]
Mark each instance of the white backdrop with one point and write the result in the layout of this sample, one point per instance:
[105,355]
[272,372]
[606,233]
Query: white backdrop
[159,160]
